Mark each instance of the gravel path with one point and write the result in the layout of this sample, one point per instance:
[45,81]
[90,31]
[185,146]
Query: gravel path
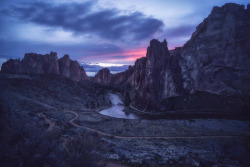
[51,124]
[142,137]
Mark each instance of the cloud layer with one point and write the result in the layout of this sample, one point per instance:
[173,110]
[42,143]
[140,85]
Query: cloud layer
[81,18]
[93,69]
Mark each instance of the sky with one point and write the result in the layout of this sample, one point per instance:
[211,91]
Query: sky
[98,32]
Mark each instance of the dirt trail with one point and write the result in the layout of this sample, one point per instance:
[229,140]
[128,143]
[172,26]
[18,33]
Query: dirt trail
[51,124]
[139,137]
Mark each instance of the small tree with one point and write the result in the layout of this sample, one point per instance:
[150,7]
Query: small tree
[82,151]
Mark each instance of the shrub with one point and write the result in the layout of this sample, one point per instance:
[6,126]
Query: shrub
[82,151]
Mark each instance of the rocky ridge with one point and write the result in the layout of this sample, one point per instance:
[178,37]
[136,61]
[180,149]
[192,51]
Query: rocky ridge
[217,57]
[33,63]
[103,76]
[71,69]
[215,60]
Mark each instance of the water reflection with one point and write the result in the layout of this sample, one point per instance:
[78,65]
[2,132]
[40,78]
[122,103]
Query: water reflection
[117,109]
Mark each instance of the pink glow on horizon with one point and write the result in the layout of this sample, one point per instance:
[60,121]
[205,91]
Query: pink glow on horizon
[137,53]
[127,57]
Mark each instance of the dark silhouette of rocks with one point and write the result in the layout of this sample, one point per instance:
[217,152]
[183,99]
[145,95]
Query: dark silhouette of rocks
[71,69]
[156,61]
[33,63]
[103,76]
[215,60]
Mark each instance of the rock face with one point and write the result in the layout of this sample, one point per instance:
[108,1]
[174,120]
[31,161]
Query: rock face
[213,64]
[137,79]
[45,64]
[12,66]
[33,64]
[103,76]
[71,69]
[148,76]
[217,57]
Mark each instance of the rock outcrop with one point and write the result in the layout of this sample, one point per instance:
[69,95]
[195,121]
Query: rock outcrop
[71,69]
[33,63]
[138,76]
[148,75]
[217,57]
[103,76]
[214,63]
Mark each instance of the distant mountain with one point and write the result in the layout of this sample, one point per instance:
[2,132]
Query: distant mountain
[92,69]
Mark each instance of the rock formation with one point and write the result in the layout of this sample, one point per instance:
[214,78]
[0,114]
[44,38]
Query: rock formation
[214,63]
[217,57]
[148,74]
[71,69]
[45,64]
[103,76]
[33,64]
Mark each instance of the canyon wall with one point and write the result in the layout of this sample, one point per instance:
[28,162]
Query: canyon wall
[217,57]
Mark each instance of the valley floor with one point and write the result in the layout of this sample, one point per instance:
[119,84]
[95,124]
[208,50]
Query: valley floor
[63,110]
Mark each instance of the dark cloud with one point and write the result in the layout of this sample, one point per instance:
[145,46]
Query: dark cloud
[81,18]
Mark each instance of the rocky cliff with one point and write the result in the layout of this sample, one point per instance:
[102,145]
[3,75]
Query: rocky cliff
[103,76]
[217,57]
[148,75]
[71,69]
[214,63]
[33,63]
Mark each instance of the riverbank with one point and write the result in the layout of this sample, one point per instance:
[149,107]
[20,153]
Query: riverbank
[185,114]
[117,108]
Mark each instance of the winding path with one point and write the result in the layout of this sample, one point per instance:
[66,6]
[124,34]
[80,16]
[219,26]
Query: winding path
[139,137]
[51,124]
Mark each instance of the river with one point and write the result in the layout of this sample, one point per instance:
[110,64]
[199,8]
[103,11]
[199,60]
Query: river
[117,108]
